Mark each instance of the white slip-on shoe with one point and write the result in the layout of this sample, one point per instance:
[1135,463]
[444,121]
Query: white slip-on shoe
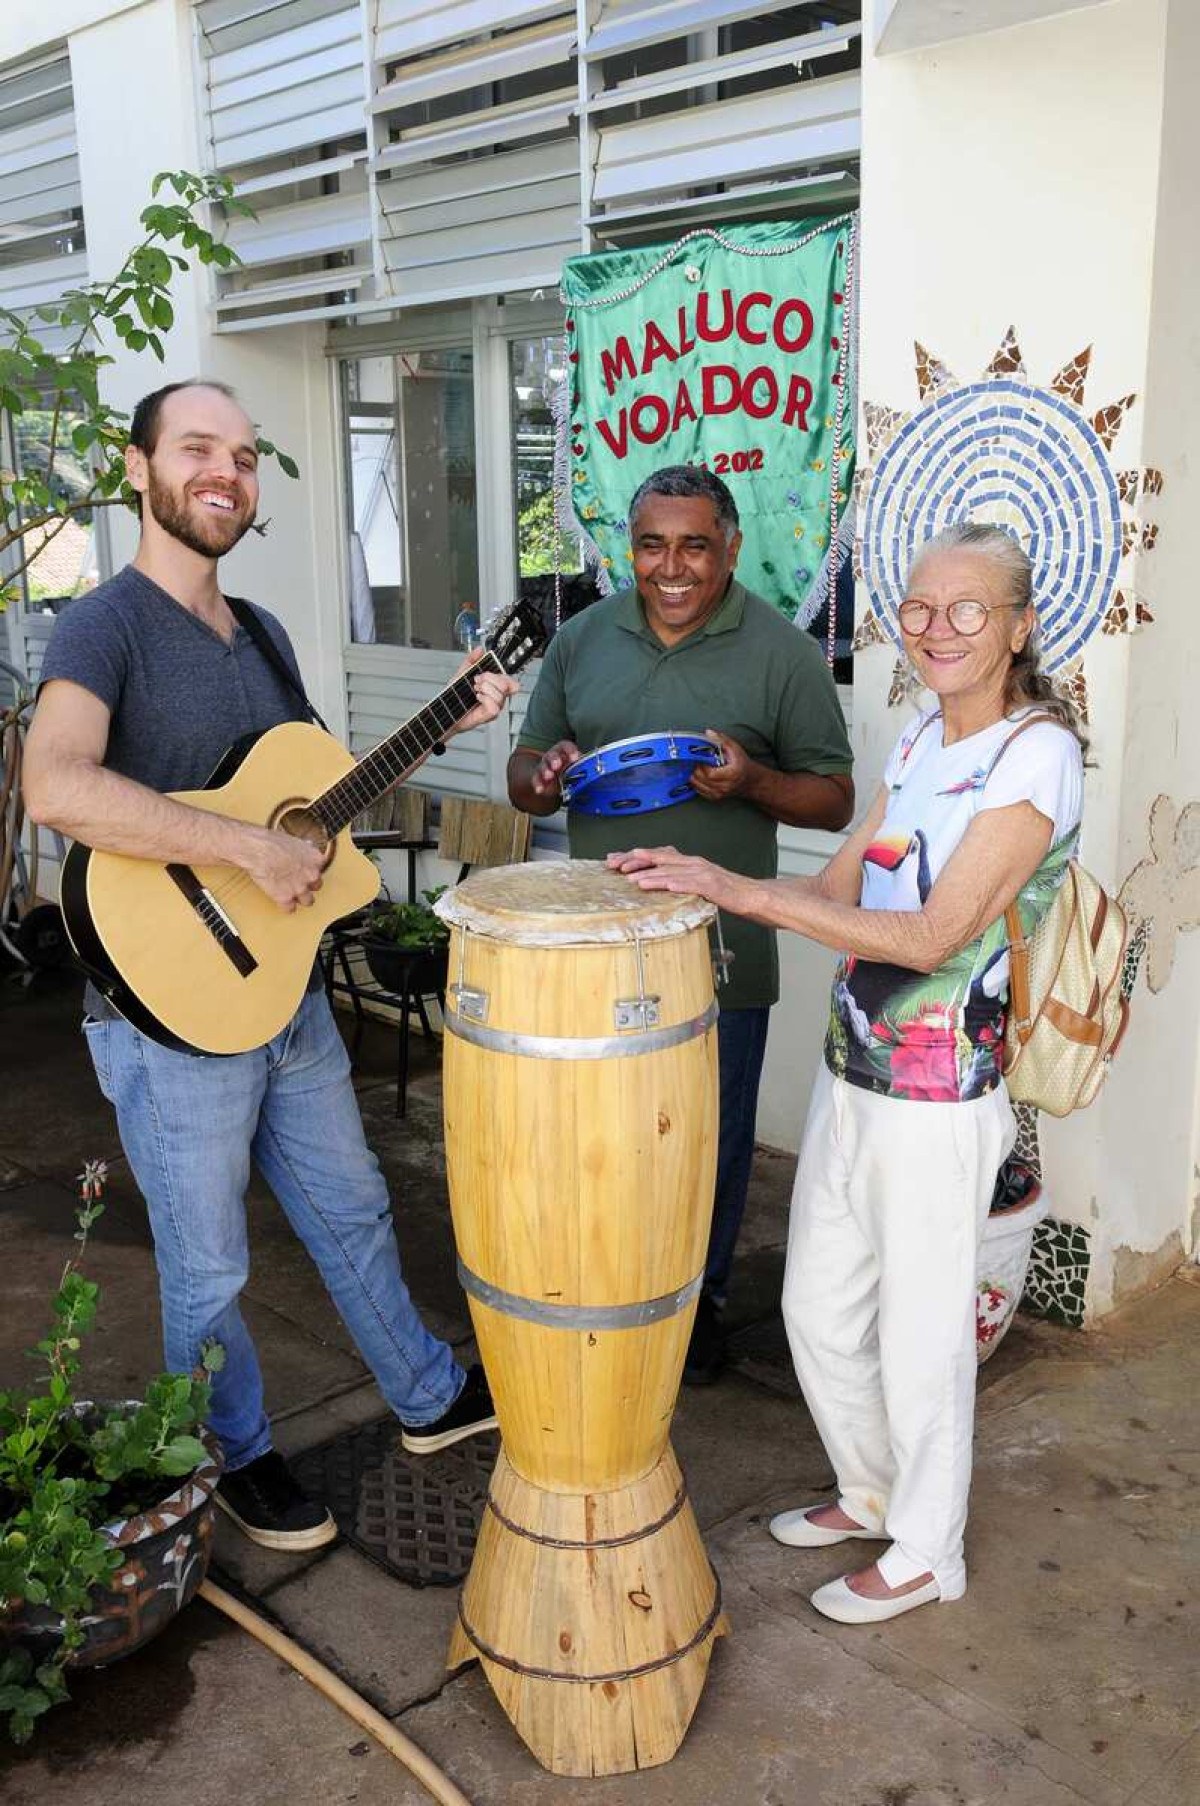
[839,1601]
[797,1530]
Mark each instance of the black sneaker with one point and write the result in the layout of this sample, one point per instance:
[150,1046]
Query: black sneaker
[267,1506]
[471,1412]
[706,1350]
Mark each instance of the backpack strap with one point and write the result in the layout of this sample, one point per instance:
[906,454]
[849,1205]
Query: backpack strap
[928,722]
[245,617]
[1019,1005]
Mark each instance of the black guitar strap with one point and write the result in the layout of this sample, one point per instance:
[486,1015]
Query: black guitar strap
[245,617]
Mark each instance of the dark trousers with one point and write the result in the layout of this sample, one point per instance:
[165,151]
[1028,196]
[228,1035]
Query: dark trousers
[741,1045]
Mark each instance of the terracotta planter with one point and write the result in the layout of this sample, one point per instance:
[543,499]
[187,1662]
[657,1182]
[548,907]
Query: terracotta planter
[166,1553]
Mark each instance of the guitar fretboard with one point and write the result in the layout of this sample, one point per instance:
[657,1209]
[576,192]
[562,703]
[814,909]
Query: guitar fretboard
[388,762]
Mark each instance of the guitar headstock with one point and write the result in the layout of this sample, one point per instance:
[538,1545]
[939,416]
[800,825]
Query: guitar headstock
[515,636]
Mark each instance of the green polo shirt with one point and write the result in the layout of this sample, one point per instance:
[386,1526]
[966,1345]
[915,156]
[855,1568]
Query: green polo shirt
[747,672]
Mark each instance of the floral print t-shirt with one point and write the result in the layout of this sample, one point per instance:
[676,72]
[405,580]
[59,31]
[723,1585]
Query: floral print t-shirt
[938,1036]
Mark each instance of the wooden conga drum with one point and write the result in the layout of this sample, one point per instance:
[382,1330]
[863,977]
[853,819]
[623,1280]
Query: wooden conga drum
[581,1132]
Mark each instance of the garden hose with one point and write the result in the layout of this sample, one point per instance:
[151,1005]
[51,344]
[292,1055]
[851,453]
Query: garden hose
[431,1778]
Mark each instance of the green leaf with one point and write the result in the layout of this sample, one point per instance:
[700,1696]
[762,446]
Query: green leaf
[287,465]
[182,1455]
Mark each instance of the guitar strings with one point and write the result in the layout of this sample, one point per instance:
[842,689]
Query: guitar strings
[390,761]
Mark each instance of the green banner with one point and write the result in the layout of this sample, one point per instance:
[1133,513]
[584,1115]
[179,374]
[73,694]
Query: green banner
[729,349]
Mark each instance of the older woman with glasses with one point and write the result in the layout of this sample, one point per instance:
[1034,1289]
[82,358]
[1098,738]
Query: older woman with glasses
[909,1120]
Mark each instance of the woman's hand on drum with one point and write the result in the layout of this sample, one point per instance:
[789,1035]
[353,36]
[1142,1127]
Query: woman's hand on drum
[547,778]
[664,868]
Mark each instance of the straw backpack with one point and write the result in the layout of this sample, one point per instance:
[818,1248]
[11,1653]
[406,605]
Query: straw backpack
[1067,1004]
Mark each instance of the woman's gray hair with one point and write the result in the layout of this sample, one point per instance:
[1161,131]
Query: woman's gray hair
[1027,682]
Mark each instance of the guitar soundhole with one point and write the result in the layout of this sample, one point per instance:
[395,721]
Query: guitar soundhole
[303,824]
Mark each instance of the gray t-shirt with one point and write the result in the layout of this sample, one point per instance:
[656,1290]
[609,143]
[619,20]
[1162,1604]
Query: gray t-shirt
[179,695]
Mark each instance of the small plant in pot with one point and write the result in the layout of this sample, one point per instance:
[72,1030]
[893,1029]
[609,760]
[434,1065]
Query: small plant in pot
[105,1508]
[407,945]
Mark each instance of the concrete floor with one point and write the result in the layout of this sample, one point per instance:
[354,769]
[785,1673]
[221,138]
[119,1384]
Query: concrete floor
[1068,1673]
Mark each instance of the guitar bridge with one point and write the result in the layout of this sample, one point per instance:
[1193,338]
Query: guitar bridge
[214,918]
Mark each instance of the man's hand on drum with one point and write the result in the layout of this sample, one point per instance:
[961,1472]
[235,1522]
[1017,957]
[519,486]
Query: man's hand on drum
[550,767]
[716,782]
[664,868]
[492,691]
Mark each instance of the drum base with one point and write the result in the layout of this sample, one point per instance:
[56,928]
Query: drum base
[594,1617]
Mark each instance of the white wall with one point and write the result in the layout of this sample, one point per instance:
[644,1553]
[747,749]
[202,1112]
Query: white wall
[281,375]
[1012,179]
[27,26]
[1152,1127]
[899,25]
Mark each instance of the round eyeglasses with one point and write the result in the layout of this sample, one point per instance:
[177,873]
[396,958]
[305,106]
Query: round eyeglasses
[965,616]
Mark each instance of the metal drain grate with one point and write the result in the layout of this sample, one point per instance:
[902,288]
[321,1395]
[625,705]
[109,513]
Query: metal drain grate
[416,1515]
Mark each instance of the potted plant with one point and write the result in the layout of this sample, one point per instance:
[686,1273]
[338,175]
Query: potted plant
[105,1509]
[407,945]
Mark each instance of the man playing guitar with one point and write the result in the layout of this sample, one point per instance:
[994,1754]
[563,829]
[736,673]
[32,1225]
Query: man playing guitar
[146,683]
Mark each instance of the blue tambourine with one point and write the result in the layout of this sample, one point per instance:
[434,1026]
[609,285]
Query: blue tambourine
[638,775]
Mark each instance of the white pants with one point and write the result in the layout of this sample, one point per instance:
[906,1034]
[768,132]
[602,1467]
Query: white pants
[890,1201]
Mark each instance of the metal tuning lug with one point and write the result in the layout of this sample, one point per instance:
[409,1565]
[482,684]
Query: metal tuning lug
[470,1004]
[722,959]
[634,1015]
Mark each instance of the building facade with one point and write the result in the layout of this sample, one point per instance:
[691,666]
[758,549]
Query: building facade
[419,171]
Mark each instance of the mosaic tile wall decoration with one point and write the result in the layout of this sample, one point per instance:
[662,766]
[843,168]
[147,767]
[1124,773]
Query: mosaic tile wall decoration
[1026,1148]
[1056,1283]
[1163,890]
[1005,450]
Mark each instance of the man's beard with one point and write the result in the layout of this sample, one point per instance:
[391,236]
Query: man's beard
[194,526]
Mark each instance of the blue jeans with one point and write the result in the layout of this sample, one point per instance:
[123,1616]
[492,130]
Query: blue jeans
[190,1127]
[741,1045]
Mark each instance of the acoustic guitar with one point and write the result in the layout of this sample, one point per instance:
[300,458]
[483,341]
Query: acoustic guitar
[199,958]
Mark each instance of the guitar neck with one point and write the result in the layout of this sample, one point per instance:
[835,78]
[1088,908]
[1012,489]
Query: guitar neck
[378,770]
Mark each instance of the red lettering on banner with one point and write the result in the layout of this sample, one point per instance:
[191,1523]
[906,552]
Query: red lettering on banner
[683,408]
[723,390]
[657,345]
[661,413]
[755,299]
[685,344]
[766,376]
[794,306]
[617,445]
[703,328]
[615,363]
[709,376]
[795,409]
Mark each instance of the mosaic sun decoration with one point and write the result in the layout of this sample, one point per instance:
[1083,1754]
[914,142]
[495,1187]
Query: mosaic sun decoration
[1032,459]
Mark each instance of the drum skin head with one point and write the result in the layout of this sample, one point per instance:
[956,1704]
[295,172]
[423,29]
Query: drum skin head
[567,902]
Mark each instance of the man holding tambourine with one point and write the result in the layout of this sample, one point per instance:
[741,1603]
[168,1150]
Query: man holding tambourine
[699,697]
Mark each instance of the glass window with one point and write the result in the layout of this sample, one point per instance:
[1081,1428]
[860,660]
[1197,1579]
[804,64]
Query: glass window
[414,563]
[374,579]
[63,556]
[437,424]
[536,367]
